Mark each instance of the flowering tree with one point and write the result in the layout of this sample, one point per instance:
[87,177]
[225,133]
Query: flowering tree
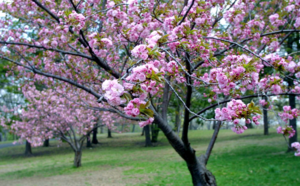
[131,55]
[54,114]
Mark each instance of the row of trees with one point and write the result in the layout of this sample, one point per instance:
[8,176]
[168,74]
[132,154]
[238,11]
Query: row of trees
[122,59]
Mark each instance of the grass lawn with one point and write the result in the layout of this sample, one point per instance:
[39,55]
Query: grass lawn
[241,160]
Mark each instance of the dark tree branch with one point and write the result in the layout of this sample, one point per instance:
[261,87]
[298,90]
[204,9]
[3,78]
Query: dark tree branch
[186,13]
[47,10]
[279,32]
[188,103]
[71,82]
[212,141]
[73,5]
[44,48]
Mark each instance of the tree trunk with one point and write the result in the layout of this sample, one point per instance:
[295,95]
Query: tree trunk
[88,140]
[214,125]
[95,140]
[293,123]
[101,130]
[266,122]
[197,166]
[133,128]
[143,131]
[249,125]
[77,158]
[200,175]
[28,148]
[109,133]
[147,136]
[178,119]
[46,143]
[154,132]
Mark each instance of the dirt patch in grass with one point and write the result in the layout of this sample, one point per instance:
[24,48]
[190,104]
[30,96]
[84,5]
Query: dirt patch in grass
[108,177]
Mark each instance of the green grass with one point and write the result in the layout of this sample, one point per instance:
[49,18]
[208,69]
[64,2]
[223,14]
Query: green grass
[247,159]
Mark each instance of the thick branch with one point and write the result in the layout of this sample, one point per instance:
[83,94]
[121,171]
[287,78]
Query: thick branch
[188,104]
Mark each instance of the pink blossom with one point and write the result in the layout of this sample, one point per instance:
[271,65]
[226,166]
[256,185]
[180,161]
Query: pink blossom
[276,89]
[296,146]
[147,122]
[297,22]
[140,51]
[273,18]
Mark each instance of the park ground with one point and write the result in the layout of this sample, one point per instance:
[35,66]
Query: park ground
[249,159]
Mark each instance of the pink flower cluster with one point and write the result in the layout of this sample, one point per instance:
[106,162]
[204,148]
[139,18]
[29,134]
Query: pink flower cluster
[235,111]
[239,129]
[76,20]
[147,122]
[289,113]
[263,102]
[172,67]
[149,86]
[271,84]
[140,73]
[296,145]
[140,51]
[153,38]
[133,109]
[287,131]
[113,92]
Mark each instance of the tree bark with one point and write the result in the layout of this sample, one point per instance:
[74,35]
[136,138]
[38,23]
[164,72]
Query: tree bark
[46,143]
[95,140]
[101,130]
[293,123]
[28,148]
[109,133]
[147,136]
[197,166]
[154,132]
[214,125]
[200,175]
[88,140]
[178,119]
[133,128]
[266,122]
[77,158]
[143,131]
[249,125]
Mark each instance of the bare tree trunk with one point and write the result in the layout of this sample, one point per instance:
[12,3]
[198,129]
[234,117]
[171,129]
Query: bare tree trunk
[293,123]
[77,158]
[266,122]
[28,148]
[197,166]
[147,136]
[143,131]
[109,133]
[101,130]
[154,132]
[88,140]
[46,143]
[133,128]
[178,119]
[95,140]
[214,125]
[122,128]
